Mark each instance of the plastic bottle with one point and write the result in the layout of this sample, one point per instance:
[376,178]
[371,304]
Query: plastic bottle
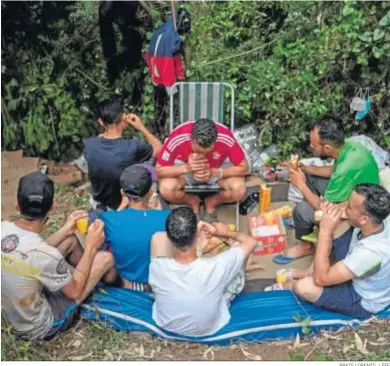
[249,204]
[268,154]
[265,198]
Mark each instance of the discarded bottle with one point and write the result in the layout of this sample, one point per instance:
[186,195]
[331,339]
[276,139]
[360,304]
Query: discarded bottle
[268,154]
[249,204]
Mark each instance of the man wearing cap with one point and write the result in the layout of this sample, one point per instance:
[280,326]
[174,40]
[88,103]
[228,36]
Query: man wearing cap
[109,154]
[40,293]
[130,229]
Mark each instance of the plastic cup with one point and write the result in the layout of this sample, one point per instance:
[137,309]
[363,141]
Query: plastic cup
[82,225]
[281,276]
[232,227]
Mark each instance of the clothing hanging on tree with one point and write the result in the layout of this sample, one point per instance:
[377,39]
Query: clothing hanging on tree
[164,60]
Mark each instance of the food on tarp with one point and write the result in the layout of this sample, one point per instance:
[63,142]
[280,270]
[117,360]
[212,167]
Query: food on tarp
[285,211]
[318,215]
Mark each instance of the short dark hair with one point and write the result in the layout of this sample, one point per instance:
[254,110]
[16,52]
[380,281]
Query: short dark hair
[181,227]
[330,130]
[204,132]
[110,111]
[376,201]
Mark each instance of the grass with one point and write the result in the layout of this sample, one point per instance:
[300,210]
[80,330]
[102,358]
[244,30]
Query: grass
[94,341]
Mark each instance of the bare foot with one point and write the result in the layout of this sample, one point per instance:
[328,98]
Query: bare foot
[299,250]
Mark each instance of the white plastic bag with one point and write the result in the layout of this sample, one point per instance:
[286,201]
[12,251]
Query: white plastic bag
[384,175]
[381,156]
[294,194]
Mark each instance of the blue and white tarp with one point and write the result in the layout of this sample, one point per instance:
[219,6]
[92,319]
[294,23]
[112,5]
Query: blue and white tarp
[260,316]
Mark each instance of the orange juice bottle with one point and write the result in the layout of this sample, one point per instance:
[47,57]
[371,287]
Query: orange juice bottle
[265,198]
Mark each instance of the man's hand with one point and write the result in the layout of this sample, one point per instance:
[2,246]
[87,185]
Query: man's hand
[330,218]
[134,121]
[70,224]
[205,231]
[221,229]
[197,164]
[297,177]
[95,236]
[203,176]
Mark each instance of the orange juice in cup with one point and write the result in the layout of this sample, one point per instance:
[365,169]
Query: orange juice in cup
[82,225]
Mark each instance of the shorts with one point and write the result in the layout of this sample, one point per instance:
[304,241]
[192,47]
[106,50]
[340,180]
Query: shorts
[65,312]
[343,299]
[234,287]
[213,181]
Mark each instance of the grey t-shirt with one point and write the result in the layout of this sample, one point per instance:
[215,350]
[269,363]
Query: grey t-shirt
[369,259]
[27,265]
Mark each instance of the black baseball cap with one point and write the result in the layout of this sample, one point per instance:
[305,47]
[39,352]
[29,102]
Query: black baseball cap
[35,195]
[136,180]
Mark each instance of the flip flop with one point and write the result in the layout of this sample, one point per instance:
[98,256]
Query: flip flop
[283,259]
[274,287]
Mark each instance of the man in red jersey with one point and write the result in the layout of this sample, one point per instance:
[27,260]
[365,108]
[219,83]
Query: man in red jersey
[202,152]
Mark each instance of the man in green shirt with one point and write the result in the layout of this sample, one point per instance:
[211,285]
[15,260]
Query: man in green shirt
[354,164]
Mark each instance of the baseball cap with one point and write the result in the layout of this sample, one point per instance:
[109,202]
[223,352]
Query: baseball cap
[136,181]
[150,168]
[35,195]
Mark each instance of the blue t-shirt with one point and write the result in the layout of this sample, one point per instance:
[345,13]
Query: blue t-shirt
[107,159]
[129,233]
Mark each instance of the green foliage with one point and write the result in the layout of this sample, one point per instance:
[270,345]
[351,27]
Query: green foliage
[289,62]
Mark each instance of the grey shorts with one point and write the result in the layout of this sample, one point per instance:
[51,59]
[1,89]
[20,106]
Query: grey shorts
[213,181]
[65,312]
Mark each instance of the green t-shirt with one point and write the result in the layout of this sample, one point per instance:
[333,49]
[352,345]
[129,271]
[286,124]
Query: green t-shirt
[355,165]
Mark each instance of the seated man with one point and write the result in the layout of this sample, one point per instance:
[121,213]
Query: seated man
[130,230]
[192,294]
[358,283]
[109,154]
[202,152]
[354,164]
[40,293]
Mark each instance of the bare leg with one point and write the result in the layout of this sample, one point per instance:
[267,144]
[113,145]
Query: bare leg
[233,190]
[302,273]
[102,263]
[172,189]
[307,290]
[302,249]
[70,248]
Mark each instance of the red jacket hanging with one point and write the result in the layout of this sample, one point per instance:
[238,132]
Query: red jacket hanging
[163,57]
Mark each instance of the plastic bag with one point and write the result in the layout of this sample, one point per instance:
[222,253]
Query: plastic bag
[294,194]
[381,156]
[384,175]
[247,137]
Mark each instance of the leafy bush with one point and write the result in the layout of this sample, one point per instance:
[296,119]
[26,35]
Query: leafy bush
[289,62]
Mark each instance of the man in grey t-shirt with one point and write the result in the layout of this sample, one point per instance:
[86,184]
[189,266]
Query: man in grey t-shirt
[358,284]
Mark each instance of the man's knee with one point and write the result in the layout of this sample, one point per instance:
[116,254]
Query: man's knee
[169,186]
[307,290]
[236,188]
[303,211]
[104,260]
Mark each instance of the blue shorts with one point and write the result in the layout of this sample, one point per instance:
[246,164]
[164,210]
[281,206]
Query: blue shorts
[344,299]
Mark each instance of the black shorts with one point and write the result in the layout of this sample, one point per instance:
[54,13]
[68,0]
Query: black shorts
[65,312]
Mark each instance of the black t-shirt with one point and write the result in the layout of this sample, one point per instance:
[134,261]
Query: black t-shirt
[107,159]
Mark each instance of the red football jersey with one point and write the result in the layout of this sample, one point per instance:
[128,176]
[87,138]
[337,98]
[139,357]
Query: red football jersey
[177,147]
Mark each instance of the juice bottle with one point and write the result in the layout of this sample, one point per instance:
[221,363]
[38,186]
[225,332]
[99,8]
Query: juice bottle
[265,198]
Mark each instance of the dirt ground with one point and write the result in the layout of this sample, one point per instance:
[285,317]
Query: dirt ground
[93,341]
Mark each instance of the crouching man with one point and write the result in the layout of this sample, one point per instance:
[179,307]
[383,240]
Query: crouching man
[202,152]
[40,292]
[357,284]
[193,294]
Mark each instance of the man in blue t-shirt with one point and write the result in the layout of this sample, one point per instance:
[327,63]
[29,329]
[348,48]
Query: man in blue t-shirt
[129,231]
[109,154]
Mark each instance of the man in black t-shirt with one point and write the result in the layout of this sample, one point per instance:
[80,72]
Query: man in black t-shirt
[109,154]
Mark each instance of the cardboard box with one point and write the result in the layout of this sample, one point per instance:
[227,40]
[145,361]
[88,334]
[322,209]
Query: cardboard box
[269,231]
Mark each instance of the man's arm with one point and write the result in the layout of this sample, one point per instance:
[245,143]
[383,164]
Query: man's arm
[297,177]
[134,121]
[240,170]
[170,171]
[325,274]
[246,242]
[95,238]
[320,171]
